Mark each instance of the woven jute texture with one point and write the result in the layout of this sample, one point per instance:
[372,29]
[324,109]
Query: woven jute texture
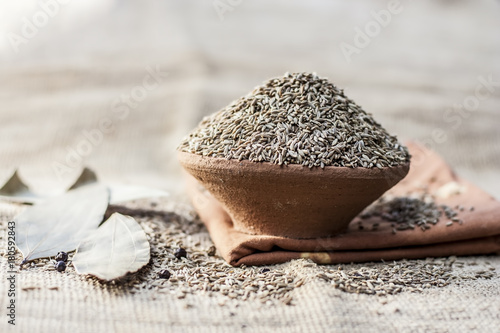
[70,78]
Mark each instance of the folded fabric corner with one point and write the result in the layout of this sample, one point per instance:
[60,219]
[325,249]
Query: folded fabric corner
[477,233]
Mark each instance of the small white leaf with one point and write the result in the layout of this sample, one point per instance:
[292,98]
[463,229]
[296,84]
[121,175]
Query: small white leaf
[15,190]
[60,223]
[122,193]
[118,247]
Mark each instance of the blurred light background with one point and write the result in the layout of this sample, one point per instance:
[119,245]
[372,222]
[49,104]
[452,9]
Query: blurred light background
[71,68]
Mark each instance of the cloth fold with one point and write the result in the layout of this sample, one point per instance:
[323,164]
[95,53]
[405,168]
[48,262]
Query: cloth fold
[475,231]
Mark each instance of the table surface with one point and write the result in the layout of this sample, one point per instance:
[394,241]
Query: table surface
[115,85]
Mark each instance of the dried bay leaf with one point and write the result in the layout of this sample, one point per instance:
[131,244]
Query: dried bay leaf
[119,246]
[119,193]
[60,223]
[15,190]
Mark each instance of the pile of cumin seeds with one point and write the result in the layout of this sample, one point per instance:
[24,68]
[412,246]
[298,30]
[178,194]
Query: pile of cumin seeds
[403,276]
[410,212]
[299,118]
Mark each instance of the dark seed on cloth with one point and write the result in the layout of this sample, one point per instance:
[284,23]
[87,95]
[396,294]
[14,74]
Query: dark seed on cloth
[180,253]
[61,256]
[164,274]
[60,266]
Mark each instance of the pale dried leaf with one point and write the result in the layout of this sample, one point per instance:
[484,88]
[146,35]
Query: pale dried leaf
[15,190]
[60,223]
[118,192]
[118,247]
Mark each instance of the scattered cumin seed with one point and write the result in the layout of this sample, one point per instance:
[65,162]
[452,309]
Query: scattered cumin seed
[406,213]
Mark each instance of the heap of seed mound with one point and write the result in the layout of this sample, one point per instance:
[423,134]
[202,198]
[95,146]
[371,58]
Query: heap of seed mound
[299,118]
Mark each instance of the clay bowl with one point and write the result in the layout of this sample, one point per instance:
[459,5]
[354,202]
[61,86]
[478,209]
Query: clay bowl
[290,201]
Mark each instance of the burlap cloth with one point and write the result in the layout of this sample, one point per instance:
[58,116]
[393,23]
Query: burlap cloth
[66,78]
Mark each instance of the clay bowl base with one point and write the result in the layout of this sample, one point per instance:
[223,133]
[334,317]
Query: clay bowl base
[290,201]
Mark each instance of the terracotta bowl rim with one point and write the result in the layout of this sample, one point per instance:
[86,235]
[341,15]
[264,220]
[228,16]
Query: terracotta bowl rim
[221,164]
